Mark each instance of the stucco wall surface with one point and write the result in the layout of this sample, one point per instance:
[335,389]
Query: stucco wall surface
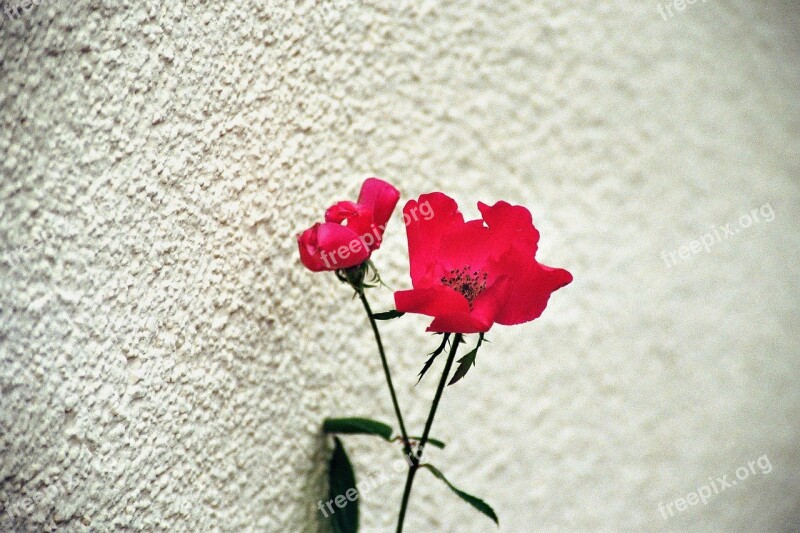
[165,362]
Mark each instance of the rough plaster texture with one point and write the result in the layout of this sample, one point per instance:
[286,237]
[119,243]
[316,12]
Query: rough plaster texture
[165,363]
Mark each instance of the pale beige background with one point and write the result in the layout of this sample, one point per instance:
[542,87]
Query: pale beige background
[157,159]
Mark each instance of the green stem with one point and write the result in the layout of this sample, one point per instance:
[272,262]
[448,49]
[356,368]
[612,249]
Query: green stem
[415,460]
[403,433]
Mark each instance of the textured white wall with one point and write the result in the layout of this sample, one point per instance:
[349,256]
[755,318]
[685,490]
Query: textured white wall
[165,362]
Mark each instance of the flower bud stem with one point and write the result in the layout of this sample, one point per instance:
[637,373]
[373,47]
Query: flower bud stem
[403,433]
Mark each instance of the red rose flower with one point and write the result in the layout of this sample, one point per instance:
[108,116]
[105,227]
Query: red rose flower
[470,275]
[351,231]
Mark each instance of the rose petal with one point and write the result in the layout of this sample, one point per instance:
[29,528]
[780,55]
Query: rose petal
[530,285]
[329,246]
[381,198]
[465,245]
[341,246]
[425,234]
[355,216]
[431,301]
[510,224]
[309,249]
[458,323]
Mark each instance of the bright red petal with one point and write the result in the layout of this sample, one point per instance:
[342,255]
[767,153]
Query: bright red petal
[529,286]
[425,232]
[465,245]
[458,323]
[381,197]
[431,301]
[356,217]
[340,246]
[510,225]
[489,303]
[309,249]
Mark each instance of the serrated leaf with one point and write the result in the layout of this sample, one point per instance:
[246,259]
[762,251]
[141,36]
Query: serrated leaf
[433,356]
[360,426]
[387,315]
[475,502]
[342,479]
[466,362]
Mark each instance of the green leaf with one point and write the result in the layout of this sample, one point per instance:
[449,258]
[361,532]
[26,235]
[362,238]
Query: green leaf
[466,362]
[387,315]
[433,356]
[433,442]
[341,481]
[477,503]
[361,426]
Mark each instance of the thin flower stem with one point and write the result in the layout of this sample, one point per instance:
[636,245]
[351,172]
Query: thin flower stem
[415,460]
[403,433]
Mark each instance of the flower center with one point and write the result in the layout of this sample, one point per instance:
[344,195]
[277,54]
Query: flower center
[470,283]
